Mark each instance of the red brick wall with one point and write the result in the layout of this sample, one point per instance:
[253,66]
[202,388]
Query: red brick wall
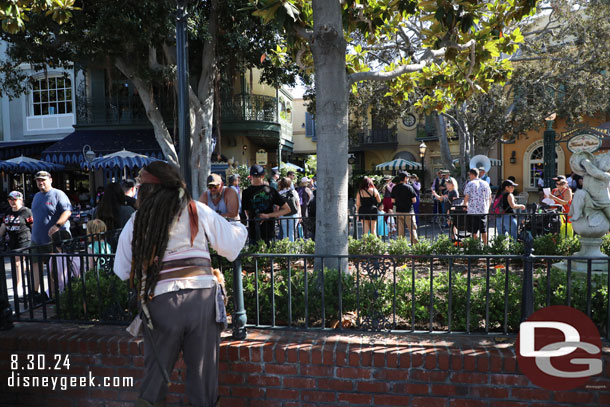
[299,369]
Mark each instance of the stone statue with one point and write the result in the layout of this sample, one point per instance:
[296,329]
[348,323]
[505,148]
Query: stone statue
[592,202]
[590,210]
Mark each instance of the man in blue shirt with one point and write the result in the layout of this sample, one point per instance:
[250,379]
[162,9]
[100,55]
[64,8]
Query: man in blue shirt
[51,210]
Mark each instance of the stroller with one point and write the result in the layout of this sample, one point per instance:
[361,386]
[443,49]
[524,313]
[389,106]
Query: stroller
[458,220]
[541,219]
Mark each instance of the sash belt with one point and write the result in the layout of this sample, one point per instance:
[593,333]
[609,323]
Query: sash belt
[189,268]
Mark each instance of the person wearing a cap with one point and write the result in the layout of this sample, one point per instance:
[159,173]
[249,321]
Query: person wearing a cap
[305,196]
[258,202]
[221,199]
[51,209]
[17,224]
[506,222]
[275,177]
[483,176]
[477,198]
[404,196]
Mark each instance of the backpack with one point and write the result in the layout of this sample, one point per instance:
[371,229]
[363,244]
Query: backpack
[497,207]
[290,199]
[303,196]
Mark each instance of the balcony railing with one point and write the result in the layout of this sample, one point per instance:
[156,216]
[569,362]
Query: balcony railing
[249,108]
[128,111]
[374,137]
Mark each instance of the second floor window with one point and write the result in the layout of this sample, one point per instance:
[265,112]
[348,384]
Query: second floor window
[51,95]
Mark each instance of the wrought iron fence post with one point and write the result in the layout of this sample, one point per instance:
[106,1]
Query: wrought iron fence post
[239,312]
[527,293]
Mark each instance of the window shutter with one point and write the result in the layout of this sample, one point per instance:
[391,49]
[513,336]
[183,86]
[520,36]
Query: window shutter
[310,126]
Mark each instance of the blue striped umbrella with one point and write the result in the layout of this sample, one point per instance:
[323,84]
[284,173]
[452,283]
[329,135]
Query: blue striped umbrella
[27,165]
[120,159]
[398,165]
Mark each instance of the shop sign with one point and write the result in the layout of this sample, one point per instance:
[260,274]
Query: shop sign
[261,157]
[584,142]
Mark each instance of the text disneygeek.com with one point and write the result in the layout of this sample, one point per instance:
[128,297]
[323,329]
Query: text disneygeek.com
[65,382]
[29,364]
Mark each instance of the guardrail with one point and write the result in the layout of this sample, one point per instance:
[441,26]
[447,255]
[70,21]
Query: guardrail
[416,293]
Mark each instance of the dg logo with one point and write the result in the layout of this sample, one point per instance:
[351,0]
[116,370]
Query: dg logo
[559,348]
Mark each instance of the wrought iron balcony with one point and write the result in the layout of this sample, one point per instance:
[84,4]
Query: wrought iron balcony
[249,108]
[116,110]
[375,139]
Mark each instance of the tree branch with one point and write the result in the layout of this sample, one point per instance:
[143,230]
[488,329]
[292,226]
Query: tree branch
[305,34]
[386,76]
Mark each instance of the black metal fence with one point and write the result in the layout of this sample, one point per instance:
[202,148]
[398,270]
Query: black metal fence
[457,226]
[416,293]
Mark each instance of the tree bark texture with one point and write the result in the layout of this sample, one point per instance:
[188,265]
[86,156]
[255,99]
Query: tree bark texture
[441,130]
[331,86]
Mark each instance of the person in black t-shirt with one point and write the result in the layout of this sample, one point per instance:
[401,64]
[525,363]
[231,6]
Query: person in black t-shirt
[404,196]
[17,223]
[258,202]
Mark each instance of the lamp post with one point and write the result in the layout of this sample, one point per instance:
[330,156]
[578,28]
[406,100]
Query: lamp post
[89,156]
[422,152]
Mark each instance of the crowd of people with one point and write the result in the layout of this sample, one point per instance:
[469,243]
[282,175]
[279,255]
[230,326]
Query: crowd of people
[292,203]
[41,229]
[396,204]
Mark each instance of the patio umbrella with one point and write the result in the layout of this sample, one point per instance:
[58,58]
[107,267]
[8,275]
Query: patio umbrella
[26,165]
[290,167]
[398,165]
[121,159]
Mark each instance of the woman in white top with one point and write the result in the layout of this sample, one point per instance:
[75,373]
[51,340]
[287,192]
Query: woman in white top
[164,247]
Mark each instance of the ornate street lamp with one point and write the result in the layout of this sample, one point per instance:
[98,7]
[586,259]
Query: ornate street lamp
[422,152]
[88,153]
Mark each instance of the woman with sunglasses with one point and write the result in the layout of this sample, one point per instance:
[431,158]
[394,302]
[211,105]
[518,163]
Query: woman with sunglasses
[18,225]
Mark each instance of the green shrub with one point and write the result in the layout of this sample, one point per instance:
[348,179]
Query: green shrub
[605,247]
[569,245]
[100,293]
[399,247]
[369,244]
[472,246]
[422,248]
[546,245]
[505,245]
[444,246]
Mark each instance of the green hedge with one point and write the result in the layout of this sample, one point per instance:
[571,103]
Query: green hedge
[371,296]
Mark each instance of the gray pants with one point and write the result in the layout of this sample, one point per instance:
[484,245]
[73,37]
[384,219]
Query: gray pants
[183,320]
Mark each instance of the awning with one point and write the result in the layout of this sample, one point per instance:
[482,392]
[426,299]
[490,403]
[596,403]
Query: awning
[102,142]
[12,149]
[398,164]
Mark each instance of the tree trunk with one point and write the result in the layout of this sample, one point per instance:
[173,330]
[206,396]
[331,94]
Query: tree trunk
[328,49]
[146,94]
[443,141]
[202,135]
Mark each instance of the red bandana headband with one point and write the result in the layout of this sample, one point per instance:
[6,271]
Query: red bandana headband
[147,178]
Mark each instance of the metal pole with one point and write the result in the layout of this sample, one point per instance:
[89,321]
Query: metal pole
[549,155]
[527,292]
[183,99]
[239,315]
[423,176]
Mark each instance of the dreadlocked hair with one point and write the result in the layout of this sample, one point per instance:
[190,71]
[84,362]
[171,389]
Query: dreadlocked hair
[159,207]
